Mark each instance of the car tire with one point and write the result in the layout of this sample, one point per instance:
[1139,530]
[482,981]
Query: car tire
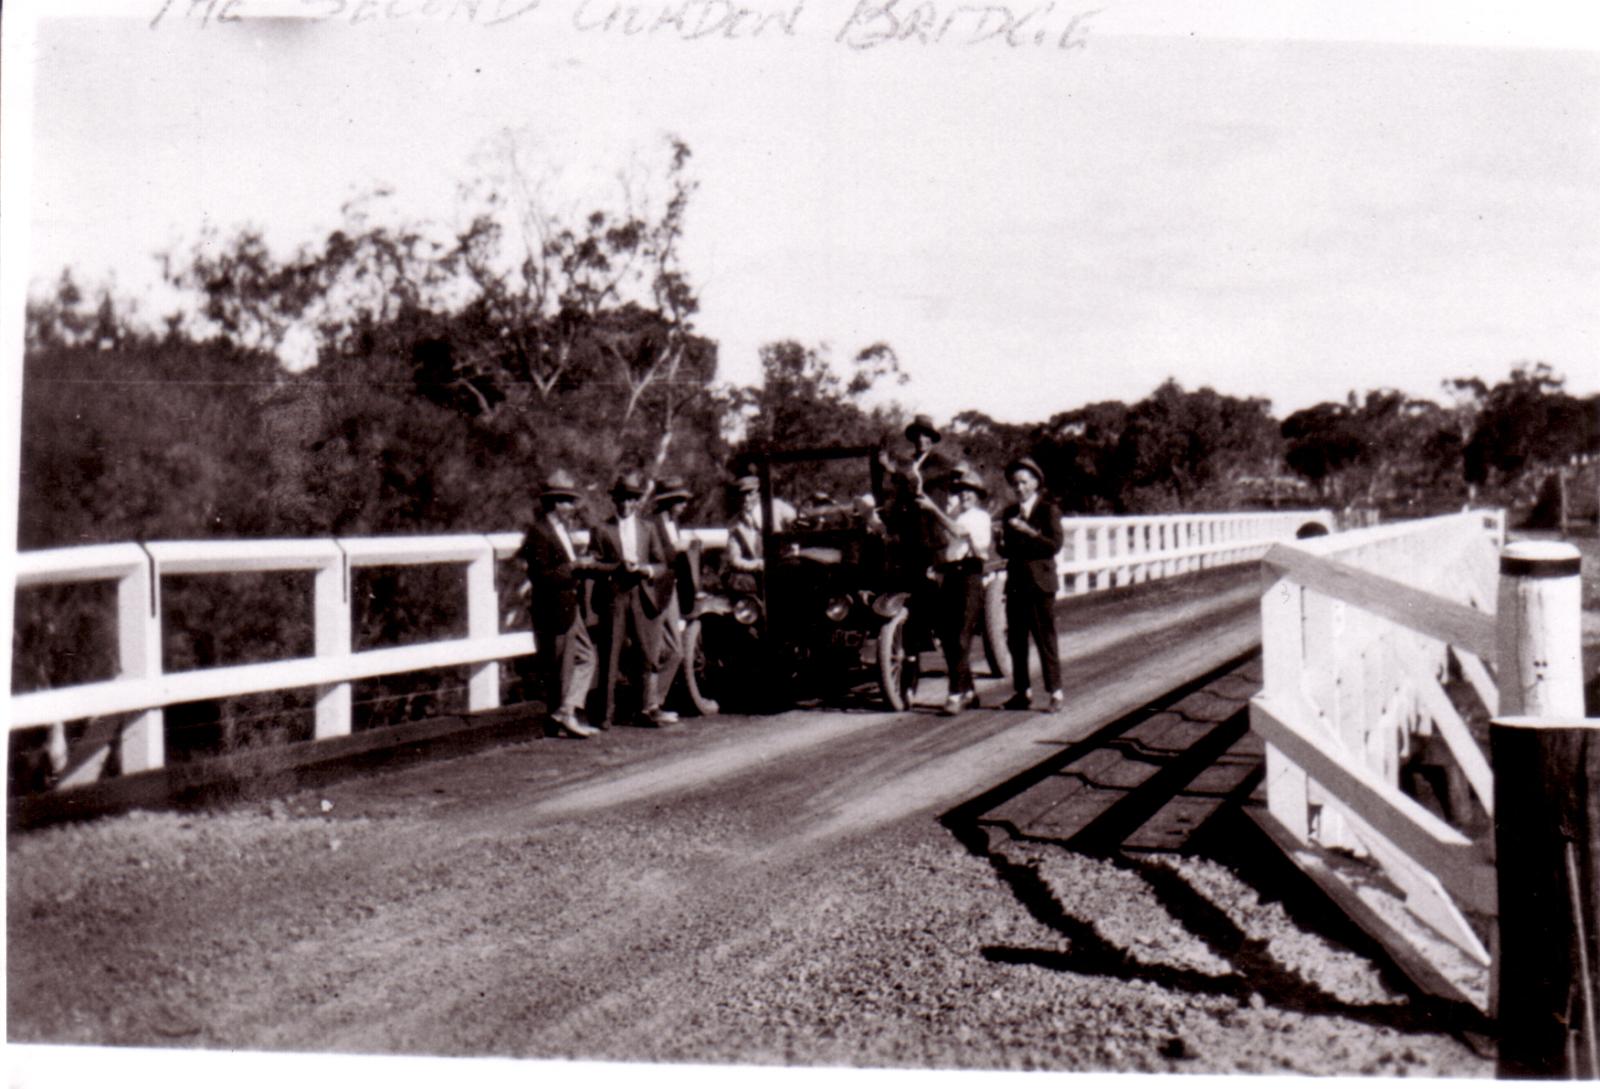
[897,670]
[695,680]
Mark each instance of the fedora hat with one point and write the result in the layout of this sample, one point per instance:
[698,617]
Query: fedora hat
[922,423]
[671,489]
[1028,464]
[559,485]
[631,483]
[747,484]
[965,478]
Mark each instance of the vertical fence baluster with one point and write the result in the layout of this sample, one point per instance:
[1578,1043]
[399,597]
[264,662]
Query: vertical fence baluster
[331,616]
[143,742]
[483,622]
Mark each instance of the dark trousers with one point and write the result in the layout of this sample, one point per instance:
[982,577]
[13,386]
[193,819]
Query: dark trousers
[627,622]
[960,606]
[1030,614]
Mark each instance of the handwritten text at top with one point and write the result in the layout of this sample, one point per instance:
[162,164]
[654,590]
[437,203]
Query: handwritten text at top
[870,24]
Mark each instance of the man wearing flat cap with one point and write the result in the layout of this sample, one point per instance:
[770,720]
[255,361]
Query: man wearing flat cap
[744,557]
[1030,536]
[683,581]
[566,654]
[632,598]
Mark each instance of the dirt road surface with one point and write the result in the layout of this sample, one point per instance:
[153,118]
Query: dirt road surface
[750,890]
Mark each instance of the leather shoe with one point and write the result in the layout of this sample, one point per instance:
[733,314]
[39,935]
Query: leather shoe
[1058,700]
[1019,702]
[569,726]
[658,719]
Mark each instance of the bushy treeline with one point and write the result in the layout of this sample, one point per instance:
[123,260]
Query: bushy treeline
[402,378]
[435,375]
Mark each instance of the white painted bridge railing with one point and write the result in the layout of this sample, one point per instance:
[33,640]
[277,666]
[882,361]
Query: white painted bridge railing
[1357,630]
[142,689]
[1357,634]
[1102,552]
[1099,553]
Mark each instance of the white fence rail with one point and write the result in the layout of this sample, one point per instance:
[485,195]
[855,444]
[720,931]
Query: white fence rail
[1101,553]
[1356,634]
[142,689]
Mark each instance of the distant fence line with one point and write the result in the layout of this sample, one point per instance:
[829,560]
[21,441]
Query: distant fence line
[1100,553]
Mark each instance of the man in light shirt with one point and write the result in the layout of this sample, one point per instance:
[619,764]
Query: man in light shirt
[632,598]
[968,543]
[565,651]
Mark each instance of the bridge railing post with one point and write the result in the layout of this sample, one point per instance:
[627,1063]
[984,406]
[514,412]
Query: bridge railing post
[1282,669]
[1546,760]
[143,742]
[483,622]
[333,639]
[1080,552]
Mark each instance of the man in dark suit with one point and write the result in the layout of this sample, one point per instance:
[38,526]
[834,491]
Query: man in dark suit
[632,597]
[560,632]
[1030,536]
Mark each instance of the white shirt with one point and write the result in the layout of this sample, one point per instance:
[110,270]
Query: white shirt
[672,531]
[979,528]
[565,539]
[1026,506]
[628,535]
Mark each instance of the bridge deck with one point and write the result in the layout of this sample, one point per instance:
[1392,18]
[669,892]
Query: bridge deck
[1148,782]
[743,889]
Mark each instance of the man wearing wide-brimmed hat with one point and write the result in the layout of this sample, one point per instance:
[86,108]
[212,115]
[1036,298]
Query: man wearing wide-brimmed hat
[1030,537]
[968,542]
[561,634]
[672,495]
[631,599]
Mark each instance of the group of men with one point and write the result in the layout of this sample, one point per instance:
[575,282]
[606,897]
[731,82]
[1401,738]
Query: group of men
[964,540]
[643,572]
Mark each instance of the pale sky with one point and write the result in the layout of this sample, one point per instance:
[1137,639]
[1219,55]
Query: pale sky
[1400,194]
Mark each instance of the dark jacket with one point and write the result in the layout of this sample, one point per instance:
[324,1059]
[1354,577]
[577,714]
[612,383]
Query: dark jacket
[607,546]
[1030,560]
[552,578]
[685,563]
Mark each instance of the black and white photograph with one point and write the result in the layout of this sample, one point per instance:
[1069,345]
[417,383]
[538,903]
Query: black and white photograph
[884,540]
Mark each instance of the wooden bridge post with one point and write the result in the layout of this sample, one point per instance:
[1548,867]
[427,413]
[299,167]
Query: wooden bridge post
[483,622]
[332,635]
[1546,760]
[143,740]
[1539,630]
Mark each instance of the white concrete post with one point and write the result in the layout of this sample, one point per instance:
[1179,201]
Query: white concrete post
[483,622]
[143,742]
[1539,625]
[1283,670]
[1080,552]
[331,612]
[1124,548]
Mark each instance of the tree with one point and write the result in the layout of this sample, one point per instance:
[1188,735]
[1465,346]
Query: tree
[1322,442]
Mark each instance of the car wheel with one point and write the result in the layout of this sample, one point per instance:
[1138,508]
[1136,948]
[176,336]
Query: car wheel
[995,648]
[698,676]
[897,671]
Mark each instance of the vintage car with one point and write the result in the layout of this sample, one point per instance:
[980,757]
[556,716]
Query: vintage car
[838,612]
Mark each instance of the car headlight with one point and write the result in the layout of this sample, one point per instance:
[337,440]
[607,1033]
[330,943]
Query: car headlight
[837,609]
[746,611]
